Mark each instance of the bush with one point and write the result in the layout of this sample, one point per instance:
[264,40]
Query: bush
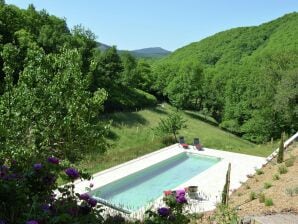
[290,191]
[261,197]
[276,177]
[268,202]
[267,185]
[259,171]
[171,214]
[282,169]
[252,196]
[290,161]
[27,194]
[225,215]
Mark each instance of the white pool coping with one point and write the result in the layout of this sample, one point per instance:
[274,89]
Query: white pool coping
[210,181]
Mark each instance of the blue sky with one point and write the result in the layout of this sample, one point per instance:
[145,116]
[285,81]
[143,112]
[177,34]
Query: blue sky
[135,24]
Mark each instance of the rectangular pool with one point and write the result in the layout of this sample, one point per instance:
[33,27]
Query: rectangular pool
[137,190]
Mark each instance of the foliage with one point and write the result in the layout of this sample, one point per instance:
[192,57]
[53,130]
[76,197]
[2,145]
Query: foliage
[281,149]
[248,79]
[225,215]
[290,162]
[50,111]
[171,125]
[267,185]
[276,177]
[173,213]
[282,169]
[226,189]
[268,202]
[261,197]
[252,196]
[28,193]
[259,171]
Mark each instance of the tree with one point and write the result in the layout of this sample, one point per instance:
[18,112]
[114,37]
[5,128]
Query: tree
[226,190]
[281,149]
[52,111]
[171,125]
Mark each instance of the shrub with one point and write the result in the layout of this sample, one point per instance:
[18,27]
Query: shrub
[259,171]
[268,202]
[225,215]
[267,185]
[276,177]
[252,196]
[282,169]
[261,197]
[290,192]
[290,161]
[33,186]
[171,214]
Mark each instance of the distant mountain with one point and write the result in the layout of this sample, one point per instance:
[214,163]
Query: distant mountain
[151,52]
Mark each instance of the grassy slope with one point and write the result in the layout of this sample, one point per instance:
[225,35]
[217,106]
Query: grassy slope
[133,136]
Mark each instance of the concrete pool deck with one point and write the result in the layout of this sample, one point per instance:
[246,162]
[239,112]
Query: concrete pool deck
[210,181]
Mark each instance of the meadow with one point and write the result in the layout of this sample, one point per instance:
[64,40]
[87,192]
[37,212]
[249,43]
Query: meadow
[132,135]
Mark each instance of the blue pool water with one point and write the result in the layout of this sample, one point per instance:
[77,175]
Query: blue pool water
[136,190]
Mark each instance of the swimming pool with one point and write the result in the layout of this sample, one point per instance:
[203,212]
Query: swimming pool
[137,190]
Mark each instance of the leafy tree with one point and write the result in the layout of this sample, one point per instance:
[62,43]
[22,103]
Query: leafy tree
[171,125]
[52,111]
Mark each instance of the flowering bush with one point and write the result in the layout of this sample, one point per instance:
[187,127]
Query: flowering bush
[173,213]
[27,194]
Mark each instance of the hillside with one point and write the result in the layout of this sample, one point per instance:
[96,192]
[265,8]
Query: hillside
[282,188]
[246,78]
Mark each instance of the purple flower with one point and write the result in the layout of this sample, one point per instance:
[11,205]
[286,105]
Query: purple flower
[84,197]
[92,202]
[2,222]
[45,207]
[53,160]
[32,222]
[72,173]
[37,166]
[181,199]
[49,179]
[163,211]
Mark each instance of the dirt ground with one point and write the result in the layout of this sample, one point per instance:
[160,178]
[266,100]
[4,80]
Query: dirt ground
[279,192]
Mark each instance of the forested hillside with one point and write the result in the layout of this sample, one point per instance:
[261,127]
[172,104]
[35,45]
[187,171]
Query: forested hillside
[246,78]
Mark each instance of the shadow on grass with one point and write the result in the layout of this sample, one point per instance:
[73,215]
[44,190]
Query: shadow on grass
[158,110]
[201,118]
[127,119]
[112,136]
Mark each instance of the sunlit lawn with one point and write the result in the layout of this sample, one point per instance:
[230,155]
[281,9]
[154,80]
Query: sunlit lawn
[132,136]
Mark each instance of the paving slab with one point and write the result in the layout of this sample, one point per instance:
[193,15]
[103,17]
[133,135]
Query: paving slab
[277,219]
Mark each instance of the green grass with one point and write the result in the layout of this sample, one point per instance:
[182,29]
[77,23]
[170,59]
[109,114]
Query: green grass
[132,136]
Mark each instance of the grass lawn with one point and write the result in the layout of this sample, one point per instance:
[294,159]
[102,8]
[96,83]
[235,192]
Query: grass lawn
[132,136]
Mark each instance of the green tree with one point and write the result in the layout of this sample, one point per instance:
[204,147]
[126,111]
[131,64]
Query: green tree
[52,111]
[171,125]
